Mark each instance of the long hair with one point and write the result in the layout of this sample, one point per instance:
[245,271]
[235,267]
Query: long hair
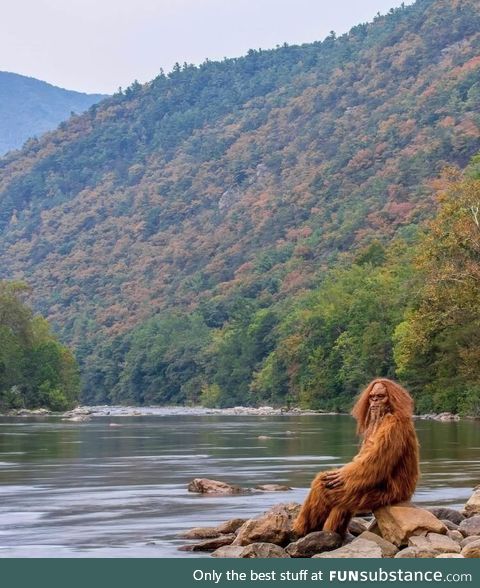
[401,402]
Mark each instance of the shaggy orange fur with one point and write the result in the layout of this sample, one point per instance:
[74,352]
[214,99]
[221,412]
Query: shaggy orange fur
[385,471]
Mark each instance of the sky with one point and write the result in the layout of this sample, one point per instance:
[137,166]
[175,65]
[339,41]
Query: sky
[101,45]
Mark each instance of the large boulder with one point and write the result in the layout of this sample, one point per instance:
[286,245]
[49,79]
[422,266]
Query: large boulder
[435,541]
[313,543]
[206,486]
[360,549]
[388,549]
[470,526]
[275,526]
[399,522]
[473,504]
[263,550]
[472,550]
[445,513]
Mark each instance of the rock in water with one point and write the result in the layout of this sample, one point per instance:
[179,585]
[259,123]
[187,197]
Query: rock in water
[313,543]
[273,488]
[397,523]
[360,548]
[209,544]
[201,533]
[206,486]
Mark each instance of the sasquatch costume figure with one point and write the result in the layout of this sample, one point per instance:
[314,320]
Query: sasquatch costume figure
[385,470]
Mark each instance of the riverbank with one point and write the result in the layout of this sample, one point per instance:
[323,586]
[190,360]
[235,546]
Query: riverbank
[87,412]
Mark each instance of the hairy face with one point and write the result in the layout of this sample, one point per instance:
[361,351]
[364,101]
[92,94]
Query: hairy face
[379,404]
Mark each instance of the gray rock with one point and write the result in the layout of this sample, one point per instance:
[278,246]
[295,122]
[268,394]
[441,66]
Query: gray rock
[450,526]
[470,526]
[275,526]
[388,549]
[357,526]
[450,514]
[263,550]
[417,552]
[228,551]
[360,548]
[206,486]
[455,535]
[313,543]
[436,541]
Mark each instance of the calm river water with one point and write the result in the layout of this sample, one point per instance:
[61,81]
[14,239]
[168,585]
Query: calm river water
[97,490]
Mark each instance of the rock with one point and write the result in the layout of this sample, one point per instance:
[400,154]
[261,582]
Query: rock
[273,488]
[450,555]
[470,526]
[399,522]
[388,549]
[468,540]
[275,526]
[435,541]
[417,552]
[447,514]
[447,416]
[357,526]
[81,418]
[228,551]
[314,543]
[209,544]
[201,533]
[231,526]
[360,548]
[206,486]
[472,550]
[450,526]
[472,507]
[455,535]
[263,550]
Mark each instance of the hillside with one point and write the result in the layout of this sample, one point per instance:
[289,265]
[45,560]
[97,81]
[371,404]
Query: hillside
[232,186]
[30,107]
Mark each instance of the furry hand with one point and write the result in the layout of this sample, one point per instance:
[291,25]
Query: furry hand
[333,479]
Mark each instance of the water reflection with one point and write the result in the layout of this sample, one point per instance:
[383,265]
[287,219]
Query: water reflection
[96,490]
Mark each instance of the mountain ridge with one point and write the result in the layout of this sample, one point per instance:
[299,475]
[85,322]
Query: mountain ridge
[30,107]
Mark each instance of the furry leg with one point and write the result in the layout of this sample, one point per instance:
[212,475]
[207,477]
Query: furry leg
[314,510]
[338,520]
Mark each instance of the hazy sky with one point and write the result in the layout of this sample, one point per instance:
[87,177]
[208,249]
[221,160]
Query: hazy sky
[99,45]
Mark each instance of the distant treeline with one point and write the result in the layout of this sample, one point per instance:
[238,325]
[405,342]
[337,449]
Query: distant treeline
[35,369]
[408,310]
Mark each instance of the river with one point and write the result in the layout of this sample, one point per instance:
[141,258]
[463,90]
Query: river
[117,486]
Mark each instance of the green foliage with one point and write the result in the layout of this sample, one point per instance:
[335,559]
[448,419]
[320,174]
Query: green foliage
[35,369]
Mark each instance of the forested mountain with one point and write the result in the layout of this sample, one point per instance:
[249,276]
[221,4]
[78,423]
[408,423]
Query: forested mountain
[30,107]
[173,231]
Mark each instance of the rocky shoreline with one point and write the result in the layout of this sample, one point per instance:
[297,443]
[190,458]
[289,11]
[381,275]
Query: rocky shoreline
[397,531]
[85,413]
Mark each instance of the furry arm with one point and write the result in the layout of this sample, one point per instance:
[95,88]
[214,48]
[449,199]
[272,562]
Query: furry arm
[378,456]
